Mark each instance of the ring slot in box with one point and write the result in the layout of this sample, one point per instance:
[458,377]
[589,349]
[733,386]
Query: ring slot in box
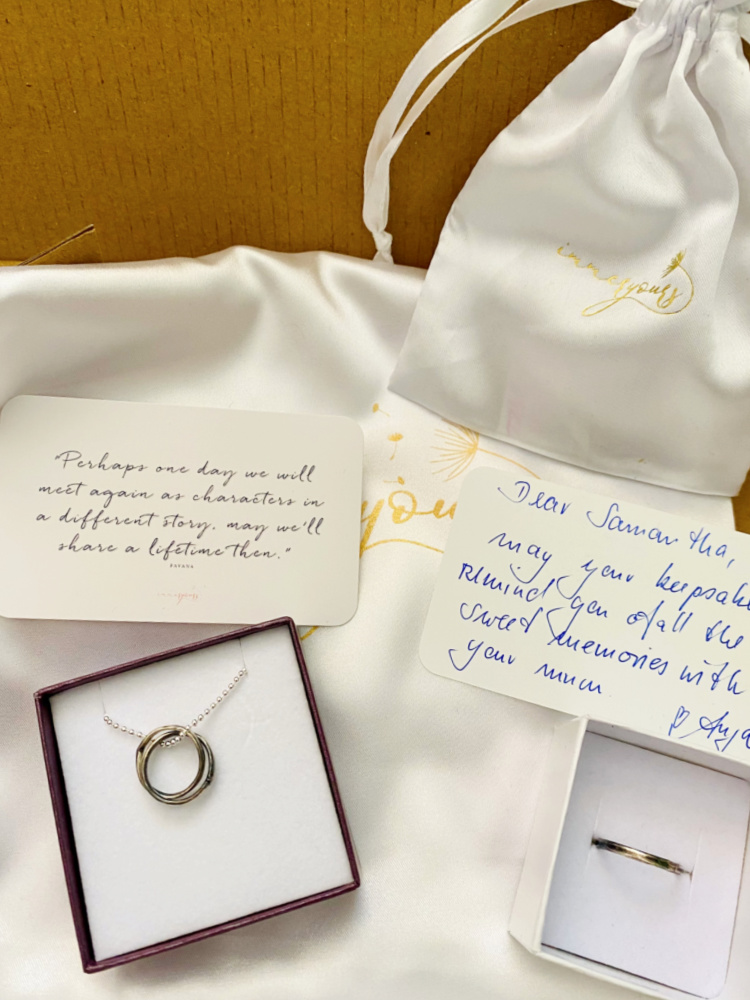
[269,833]
[666,933]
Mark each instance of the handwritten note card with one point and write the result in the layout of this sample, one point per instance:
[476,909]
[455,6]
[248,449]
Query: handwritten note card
[136,512]
[595,607]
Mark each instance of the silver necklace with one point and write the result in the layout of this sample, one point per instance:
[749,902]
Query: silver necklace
[167,736]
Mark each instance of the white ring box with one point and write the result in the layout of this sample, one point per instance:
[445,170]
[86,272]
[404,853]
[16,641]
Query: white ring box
[663,934]
[267,836]
[602,609]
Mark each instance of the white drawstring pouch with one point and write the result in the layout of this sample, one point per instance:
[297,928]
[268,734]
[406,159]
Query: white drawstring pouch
[590,294]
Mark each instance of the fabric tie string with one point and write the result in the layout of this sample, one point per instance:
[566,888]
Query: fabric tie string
[463,33]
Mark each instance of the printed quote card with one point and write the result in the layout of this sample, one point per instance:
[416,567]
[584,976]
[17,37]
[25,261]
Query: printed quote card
[137,512]
[599,608]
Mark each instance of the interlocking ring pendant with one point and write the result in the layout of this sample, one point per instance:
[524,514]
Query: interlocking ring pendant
[200,782]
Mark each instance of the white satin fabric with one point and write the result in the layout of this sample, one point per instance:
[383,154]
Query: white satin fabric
[588,298]
[439,779]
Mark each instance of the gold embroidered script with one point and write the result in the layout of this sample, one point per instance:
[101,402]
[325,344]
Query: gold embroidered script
[664,299]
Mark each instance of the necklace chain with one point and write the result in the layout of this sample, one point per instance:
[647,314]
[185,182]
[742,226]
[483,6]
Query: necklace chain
[195,722]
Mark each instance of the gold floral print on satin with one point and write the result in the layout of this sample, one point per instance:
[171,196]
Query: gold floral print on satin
[459,448]
[665,299]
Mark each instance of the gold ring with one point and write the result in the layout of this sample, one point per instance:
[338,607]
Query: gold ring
[200,782]
[635,855]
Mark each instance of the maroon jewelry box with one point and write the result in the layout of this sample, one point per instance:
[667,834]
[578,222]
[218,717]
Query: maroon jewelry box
[65,817]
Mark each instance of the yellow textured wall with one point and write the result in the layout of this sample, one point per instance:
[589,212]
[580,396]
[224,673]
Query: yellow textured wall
[184,126]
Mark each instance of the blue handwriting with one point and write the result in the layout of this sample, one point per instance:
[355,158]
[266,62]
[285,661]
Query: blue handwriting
[737,599]
[706,548]
[533,550]
[665,582]
[719,731]
[568,587]
[473,647]
[613,522]
[718,677]
[724,637]
[661,624]
[503,542]
[485,578]
[503,623]
[549,504]
[550,674]
[592,647]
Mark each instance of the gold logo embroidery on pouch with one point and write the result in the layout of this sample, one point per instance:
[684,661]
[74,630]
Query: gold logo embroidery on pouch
[660,298]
